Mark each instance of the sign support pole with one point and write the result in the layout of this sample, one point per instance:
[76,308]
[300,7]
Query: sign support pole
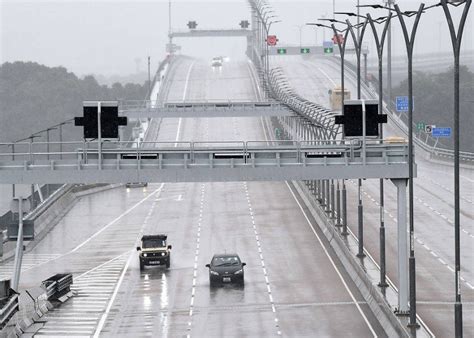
[99,135]
[19,247]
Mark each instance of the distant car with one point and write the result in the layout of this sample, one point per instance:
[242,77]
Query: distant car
[217,61]
[154,251]
[226,268]
[136,184]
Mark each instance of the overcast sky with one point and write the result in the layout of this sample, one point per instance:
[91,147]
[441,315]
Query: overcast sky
[115,37]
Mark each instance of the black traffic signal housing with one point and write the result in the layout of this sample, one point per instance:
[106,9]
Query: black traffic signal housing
[192,24]
[109,119]
[352,118]
[244,24]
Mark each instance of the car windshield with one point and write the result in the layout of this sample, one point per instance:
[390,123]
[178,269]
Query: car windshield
[154,243]
[225,261]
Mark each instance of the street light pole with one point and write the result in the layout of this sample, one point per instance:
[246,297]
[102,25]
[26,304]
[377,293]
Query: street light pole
[456,39]
[380,45]
[389,54]
[149,78]
[360,208]
[342,48]
[409,43]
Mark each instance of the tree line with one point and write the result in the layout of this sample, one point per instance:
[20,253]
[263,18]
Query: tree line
[34,97]
[434,103]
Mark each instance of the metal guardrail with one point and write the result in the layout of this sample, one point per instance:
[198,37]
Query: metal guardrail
[8,309]
[317,115]
[57,286]
[218,108]
[179,161]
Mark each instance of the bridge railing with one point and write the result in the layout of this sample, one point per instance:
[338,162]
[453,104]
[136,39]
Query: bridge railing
[33,155]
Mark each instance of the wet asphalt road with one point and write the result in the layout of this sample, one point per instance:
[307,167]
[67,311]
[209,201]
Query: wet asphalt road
[434,214]
[294,285]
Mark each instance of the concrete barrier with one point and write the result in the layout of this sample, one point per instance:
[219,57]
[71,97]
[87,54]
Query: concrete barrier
[48,214]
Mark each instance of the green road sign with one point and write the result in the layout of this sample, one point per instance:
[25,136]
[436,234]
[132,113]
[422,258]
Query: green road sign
[304,50]
[420,126]
[328,50]
[281,50]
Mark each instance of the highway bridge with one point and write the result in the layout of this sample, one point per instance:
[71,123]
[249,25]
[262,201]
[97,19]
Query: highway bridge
[302,275]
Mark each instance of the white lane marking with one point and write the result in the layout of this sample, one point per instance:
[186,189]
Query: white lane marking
[326,75]
[196,257]
[332,262]
[104,316]
[112,299]
[184,99]
[115,220]
[262,261]
[427,248]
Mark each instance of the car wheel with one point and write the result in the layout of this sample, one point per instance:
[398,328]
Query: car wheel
[142,266]
[168,263]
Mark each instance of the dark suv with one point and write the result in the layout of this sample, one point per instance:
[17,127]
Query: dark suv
[154,251]
[226,268]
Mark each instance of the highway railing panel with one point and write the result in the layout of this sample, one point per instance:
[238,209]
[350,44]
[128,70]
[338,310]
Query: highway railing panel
[197,161]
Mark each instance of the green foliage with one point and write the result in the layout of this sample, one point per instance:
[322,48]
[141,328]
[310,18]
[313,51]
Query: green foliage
[34,97]
[434,103]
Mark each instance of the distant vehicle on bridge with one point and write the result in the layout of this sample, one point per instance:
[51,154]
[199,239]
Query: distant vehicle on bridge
[226,268]
[217,61]
[335,97]
[136,184]
[154,251]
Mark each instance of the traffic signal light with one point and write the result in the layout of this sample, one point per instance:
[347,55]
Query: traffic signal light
[192,24]
[244,24]
[305,50]
[352,118]
[281,51]
[109,119]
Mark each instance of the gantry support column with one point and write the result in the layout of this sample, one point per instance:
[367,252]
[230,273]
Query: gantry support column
[403,285]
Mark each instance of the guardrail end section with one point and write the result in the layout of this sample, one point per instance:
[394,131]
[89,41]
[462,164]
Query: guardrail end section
[58,287]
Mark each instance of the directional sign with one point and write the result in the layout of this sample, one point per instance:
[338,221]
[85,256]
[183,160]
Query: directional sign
[441,132]
[402,104]
[328,44]
[272,40]
[305,50]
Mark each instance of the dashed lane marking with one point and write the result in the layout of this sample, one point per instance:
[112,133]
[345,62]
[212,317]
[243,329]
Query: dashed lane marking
[196,257]
[427,248]
[262,260]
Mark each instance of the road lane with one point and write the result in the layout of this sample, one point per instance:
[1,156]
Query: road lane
[291,285]
[434,210]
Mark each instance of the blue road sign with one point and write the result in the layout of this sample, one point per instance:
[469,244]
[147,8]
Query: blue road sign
[441,132]
[402,103]
[328,44]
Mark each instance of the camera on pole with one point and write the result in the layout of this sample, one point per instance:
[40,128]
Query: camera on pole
[192,24]
[109,119]
[244,24]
